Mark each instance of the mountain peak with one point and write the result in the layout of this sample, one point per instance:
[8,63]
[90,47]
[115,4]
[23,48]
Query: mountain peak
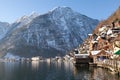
[62,12]
[61,9]
[28,17]
[33,14]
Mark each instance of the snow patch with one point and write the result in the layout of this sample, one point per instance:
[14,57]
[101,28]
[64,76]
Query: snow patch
[51,43]
[11,56]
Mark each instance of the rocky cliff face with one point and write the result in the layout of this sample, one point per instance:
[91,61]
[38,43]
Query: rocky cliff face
[48,35]
[4,27]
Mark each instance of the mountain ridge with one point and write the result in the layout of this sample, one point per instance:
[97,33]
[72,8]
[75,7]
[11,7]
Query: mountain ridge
[53,33]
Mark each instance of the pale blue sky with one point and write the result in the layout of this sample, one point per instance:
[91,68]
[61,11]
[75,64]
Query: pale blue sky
[10,10]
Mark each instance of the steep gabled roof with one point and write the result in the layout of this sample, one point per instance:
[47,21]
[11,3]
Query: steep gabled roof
[100,53]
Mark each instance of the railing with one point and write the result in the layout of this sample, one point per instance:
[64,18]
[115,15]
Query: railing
[112,65]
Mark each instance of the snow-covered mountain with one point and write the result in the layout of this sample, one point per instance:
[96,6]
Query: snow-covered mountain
[25,19]
[4,26]
[22,21]
[47,35]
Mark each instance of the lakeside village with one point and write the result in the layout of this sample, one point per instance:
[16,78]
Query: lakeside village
[102,48]
[99,49]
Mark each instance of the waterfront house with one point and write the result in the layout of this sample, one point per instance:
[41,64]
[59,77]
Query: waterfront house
[81,59]
[35,58]
[100,55]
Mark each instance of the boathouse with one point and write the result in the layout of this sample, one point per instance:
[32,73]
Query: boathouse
[81,59]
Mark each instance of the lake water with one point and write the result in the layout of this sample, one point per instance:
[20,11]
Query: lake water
[51,71]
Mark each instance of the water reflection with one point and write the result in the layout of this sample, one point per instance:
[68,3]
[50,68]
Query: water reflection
[90,73]
[36,70]
[103,74]
[35,64]
[7,69]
